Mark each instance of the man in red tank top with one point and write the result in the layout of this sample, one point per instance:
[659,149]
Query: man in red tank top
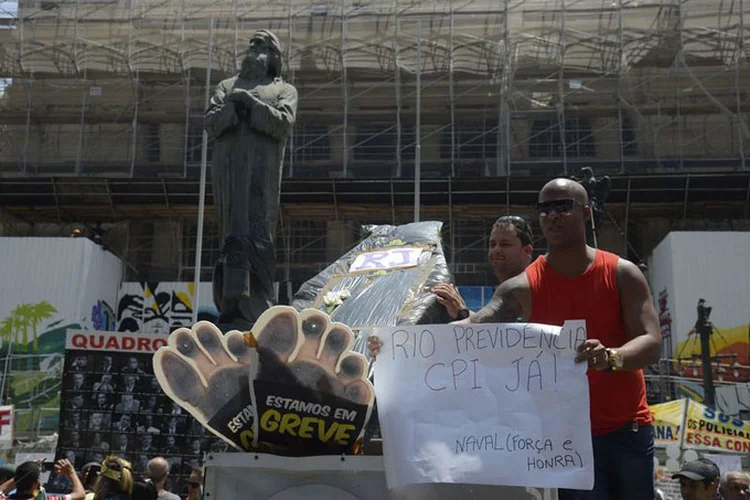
[575,281]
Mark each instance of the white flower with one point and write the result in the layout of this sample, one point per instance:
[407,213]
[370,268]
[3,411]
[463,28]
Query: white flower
[332,299]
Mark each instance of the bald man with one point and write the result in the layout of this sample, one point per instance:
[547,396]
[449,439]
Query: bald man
[576,281]
[157,470]
[735,485]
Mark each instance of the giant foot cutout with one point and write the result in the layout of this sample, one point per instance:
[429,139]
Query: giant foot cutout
[311,387]
[208,374]
[291,385]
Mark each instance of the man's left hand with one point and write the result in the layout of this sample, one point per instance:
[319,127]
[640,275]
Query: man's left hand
[449,297]
[594,353]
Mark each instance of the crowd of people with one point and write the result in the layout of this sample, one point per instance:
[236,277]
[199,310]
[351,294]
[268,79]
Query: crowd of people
[112,479]
[702,480]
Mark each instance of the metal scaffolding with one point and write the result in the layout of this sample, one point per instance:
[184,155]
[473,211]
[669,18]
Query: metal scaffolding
[507,88]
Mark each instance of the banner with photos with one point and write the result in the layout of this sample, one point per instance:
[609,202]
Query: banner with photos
[111,403]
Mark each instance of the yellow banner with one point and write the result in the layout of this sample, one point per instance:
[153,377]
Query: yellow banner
[707,429]
[668,421]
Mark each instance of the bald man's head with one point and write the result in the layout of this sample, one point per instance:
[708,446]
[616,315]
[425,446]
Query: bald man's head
[157,469]
[563,211]
[562,187]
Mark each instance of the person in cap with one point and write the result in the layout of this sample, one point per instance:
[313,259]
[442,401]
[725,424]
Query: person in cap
[699,480]
[510,247]
[249,118]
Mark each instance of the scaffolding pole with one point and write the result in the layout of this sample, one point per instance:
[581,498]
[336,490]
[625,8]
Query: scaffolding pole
[417,128]
[452,97]
[397,77]
[509,73]
[204,166]
[505,81]
[561,91]
[187,124]
[740,57]
[292,134]
[30,91]
[620,65]
[134,145]
[676,66]
[186,74]
[344,91]
[79,149]
[451,226]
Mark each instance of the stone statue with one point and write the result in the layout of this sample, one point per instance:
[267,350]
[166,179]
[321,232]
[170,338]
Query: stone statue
[249,117]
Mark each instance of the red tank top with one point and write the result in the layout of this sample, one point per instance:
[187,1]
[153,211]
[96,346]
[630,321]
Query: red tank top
[617,398]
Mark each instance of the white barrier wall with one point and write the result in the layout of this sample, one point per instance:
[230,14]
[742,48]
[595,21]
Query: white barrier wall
[245,475]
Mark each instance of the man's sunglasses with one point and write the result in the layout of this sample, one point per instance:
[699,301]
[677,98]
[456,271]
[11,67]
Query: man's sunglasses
[560,207]
[194,485]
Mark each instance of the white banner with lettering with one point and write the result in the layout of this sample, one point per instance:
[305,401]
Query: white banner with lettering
[500,404]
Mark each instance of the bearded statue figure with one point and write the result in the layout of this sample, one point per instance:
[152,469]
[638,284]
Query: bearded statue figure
[249,118]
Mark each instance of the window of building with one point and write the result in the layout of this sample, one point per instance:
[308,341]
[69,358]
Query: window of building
[579,139]
[151,142]
[546,141]
[306,240]
[473,140]
[311,143]
[378,141]
[471,241]
[628,137]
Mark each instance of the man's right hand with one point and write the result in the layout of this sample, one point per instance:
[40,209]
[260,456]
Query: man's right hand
[64,468]
[449,297]
[373,345]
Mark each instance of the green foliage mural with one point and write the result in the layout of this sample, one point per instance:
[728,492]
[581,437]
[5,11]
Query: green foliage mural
[33,381]
[24,318]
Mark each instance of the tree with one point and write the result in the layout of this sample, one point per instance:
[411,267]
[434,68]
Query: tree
[6,330]
[22,315]
[39,312]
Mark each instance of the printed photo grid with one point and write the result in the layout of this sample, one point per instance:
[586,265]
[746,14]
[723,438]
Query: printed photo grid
[111,403]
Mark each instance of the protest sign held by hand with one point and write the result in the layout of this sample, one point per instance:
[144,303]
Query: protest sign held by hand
[501,404]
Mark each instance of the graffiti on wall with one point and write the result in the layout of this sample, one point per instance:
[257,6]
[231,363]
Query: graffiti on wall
[103,317]
[160,307]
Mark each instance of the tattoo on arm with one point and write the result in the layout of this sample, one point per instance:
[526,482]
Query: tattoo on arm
[503,307]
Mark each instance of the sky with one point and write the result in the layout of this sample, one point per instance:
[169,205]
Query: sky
[8,9]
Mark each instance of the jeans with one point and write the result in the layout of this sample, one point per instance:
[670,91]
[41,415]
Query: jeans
[623,467]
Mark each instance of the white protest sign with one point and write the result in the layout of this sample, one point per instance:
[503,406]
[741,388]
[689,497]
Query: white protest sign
[499,404]
[382,260]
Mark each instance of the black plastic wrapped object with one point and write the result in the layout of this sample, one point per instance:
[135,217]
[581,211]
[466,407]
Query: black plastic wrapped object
[383,281]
